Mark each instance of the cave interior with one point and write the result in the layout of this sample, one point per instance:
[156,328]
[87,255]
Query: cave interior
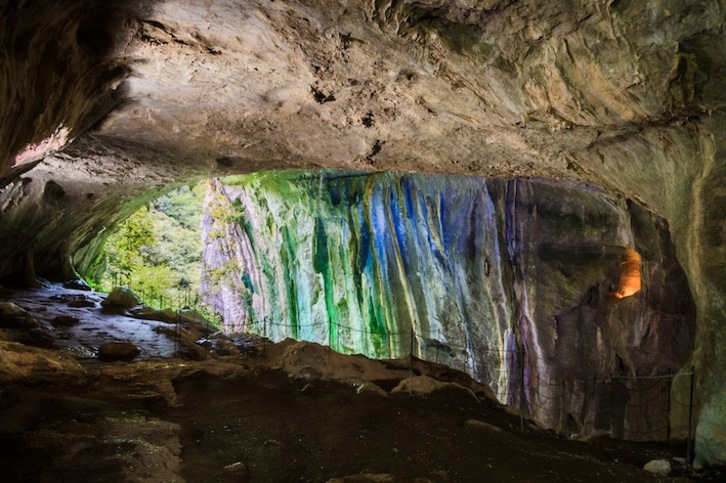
[529,192]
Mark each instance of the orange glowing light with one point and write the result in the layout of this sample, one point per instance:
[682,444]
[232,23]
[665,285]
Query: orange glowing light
[629,282]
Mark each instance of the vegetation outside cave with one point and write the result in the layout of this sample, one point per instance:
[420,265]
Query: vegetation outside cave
[157,252]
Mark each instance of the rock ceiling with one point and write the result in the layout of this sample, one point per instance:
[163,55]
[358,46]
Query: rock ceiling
[624,94]
[555,89]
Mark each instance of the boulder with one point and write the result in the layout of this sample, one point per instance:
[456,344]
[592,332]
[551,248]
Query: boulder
[77,284]
[427,385]
[64,321]
[375,478]
[219,345]
[365,387]
[236,472]
[658,467]
[197,320]
[476,424]
[23,364]
[121,298]
[13,317]
[81,303]
[32,337]
[150,313]
[364,478]
[117,351]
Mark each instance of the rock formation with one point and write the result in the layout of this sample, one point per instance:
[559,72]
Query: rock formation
[620,94]
[470,272]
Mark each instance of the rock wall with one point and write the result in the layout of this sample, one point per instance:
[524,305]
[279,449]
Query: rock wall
[54,219]
[510,280]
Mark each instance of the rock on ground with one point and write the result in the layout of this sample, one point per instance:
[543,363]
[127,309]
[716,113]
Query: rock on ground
[426,385]
[476,424]
[237,472]
[20,363]
[374,478]
[658,467]
[77,285]
[13,317]
[65,321]
[118,351]
[121,297]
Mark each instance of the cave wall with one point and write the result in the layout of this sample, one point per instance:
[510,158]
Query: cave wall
[54,219]
[471,272]
[59,72]
[700,239]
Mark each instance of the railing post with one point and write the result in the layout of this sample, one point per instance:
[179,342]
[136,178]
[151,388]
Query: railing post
[670,394]
[330,342]
[176,335]
[410,356]
[389,342]
[521,388]
[206,346]
[689,455]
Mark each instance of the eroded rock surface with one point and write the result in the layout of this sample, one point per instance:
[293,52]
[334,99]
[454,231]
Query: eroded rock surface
[502,279]
[13,317]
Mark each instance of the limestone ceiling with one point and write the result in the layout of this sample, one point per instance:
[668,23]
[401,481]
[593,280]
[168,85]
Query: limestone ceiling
[579,89]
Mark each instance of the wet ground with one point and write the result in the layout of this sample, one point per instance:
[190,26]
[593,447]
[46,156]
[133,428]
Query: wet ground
[268,413]
[96,324]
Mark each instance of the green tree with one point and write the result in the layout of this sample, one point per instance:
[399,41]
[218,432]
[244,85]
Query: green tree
[129,247]
[157,251]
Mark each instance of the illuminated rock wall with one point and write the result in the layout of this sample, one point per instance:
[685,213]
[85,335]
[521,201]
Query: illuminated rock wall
[510,281]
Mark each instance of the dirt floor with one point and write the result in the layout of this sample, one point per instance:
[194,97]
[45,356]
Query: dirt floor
[249,410]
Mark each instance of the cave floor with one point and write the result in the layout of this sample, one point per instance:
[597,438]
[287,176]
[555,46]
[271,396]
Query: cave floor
[283,430]
[279,413]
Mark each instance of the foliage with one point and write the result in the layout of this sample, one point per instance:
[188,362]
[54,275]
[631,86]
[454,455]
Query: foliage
[130,246]
[157,251]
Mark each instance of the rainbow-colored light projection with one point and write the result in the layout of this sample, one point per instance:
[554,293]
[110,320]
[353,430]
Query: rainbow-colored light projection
[508,280]
[362,262]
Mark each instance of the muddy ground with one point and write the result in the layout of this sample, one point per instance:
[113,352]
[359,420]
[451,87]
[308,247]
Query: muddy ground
[249,410]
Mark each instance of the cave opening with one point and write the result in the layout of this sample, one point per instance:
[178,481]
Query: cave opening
[556,295]
[156,252]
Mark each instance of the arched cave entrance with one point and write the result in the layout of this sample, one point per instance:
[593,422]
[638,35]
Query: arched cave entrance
[567,301]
